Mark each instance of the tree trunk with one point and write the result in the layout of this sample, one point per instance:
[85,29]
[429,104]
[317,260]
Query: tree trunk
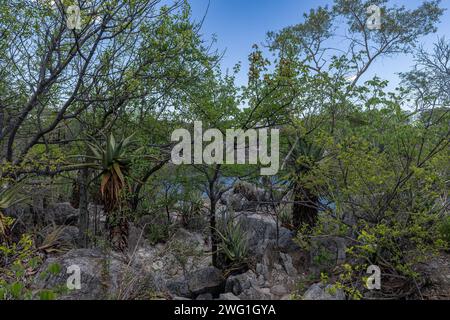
[118,233]
[137,189]
[83,222]
[75,198]
[168,221]
[214,236]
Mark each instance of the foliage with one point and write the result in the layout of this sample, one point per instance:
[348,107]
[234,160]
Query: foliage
[233,243]
[444,229]
[190,207]
[8,197]
[362,163]
[113,163]
[111,160]
[184,252]
[19,262]
[156,233]
[389,180]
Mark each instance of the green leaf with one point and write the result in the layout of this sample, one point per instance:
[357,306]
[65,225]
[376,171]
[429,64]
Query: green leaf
[54,268]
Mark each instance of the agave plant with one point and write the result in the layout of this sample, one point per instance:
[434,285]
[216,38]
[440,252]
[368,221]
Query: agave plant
[111,159]
[8,197]
[234,243]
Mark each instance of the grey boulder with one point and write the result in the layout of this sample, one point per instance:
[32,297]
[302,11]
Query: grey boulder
[319,291]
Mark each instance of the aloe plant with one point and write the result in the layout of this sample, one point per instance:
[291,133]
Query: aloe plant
[303,157]
[114,165]
[234,243]
[111,159]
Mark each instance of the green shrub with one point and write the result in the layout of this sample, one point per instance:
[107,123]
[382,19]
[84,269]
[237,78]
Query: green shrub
[190,207]
[444,230]
[285,215]
[19,262]
[156,233]
[185,253]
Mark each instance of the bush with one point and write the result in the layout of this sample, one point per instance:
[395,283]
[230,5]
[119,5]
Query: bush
[190,208]
[444,230]
[156,233]
[18,262]
[285,216]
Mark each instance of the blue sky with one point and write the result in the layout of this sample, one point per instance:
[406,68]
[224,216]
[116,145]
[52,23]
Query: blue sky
[238,24]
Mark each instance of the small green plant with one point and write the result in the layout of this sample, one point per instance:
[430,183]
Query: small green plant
[5,225]
[183,251]
[285,216]
[324,278]
[190,207]
[8,197]
[47,295]
[345,281]
[18,264]
[444,230]
[323,258]
[156,233]
[233,243]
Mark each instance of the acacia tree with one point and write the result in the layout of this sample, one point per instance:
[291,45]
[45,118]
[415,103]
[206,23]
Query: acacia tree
[54,69]
[383,165]
[53,76]
[317,81]
[123,68]
[170,58]
[387,178]
[216,106]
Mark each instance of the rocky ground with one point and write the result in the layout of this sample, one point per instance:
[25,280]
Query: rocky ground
[181,267]
[437,271]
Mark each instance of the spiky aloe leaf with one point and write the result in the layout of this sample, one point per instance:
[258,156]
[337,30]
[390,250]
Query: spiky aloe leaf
[95,150]
[109,152]
[11,196]
[127,141]
[3,225]
[118,171]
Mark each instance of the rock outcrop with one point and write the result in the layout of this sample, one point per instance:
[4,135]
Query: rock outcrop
[102,276]
[319,291]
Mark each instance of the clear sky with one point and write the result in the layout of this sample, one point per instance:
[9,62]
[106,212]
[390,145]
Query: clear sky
[238,24]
